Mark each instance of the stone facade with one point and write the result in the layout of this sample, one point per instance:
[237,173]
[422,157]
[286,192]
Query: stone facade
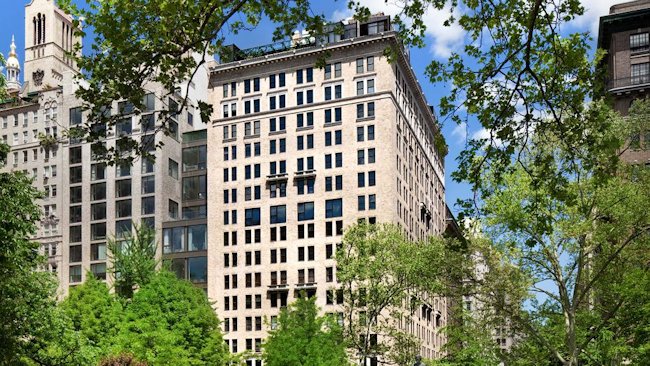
[306,153]
[85,201]
[625,34]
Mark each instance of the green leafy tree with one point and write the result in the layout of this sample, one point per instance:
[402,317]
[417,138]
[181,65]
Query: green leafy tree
[133,259]
[26,294]
[171,322]
[164,42]
[303,338]
[383,277]
[563,269]
[94,312]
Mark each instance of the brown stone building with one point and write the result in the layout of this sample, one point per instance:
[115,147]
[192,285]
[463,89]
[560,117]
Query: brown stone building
[625,34]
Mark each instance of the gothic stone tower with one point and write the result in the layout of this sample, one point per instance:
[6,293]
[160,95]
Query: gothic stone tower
[49,34]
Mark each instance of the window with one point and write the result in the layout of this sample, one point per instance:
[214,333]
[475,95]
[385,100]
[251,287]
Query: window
[371,179]
[173,240]
[172,168]
[370,63]
[305,119]
[75,155]
[371,109]
[640,73]
[198,269]
[123,188]
[98,191]
[98,231]
[305,211]
[75,274]
[195,188]
[252,216]
[75,194]
[305,185]
[359,65]
[334,208]
[148,206]
[278,214]
[123,208]
[123,127]
[277,124]
[98,252]
[98,270]
[639,41]
[148,184]
[122,228]
[75,234]
[339,160]
[123,170]
[195,158]
[75,214]
[148,166]
[172,209]
[75,174]
[98,211]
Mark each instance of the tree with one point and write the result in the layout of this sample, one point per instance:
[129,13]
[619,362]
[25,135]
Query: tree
[94,312]
[384,277]
[26,294]
[171,322]
[303,338]
[174,39]
[133,259]
[563,269]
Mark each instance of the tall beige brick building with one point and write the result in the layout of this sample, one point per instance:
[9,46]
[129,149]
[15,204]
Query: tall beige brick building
[252,208]
[86,202]
[296,154]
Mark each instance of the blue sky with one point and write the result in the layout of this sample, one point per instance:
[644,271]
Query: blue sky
[440,42]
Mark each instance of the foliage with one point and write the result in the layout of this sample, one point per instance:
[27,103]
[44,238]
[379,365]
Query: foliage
[137,46]
[380,272]
[94,312]
[26,295]
[167,321]
[562,267]
[3,81]
[304,338]
[171,322]
[133,259]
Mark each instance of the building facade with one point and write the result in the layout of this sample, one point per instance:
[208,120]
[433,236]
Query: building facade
[625,34]
[298,153]
[85,202]
[252,208]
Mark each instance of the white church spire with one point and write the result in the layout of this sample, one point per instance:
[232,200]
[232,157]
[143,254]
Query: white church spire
[13,69]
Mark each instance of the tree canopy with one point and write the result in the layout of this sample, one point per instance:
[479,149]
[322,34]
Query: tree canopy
[304,338]
[562,272]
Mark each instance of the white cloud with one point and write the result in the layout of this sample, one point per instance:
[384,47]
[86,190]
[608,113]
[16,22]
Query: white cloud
[443,39]
[460,132]
[594,9]
[481,134]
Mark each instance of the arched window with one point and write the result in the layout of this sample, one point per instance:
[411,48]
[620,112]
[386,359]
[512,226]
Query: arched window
[39,29]
[43,28]
[35,30]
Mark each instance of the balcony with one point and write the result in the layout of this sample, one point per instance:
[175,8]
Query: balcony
[277,177]
[305,174]
[634,82]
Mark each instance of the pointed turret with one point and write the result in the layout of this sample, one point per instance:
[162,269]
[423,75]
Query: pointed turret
[13,69]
